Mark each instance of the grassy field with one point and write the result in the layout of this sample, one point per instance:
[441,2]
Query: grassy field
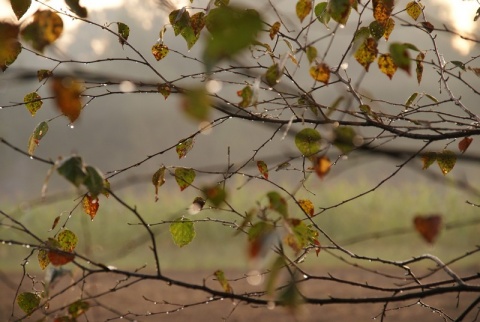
[115,238]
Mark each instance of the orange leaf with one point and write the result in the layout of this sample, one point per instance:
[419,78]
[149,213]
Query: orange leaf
[58,258]
[367,52]
[320,73]
[274,30]
[67,96]
[90,206]
[262,167]
[322,166]
[382,9]
[464,144]
[428,159]
[318,247]
[307,206]
[386,65]
[428,226]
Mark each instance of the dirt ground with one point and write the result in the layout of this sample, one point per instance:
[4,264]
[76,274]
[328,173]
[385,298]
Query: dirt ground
[157,301]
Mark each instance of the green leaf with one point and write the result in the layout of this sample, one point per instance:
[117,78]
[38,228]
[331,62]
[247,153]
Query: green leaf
[300,236]
[367,52]
[308,142]
[311,53]
[410,100]
[158,179]
[215,194]
[246,94]
[76,8]
[303,8]
[197,104]
[184,146]
[400,56]
[446,161]
[43,260]
[232,29]
[184,177]
[67,240]
[260,238]
[160,51]
[180,19]
[322,13]
[344,137]
[28,302]
[459,64]
[428,159]
[273,75]
[78,308]
[123,32]
[263,169]
[33,102]
[220,275]
[377,30]
[38,133]
[73,170]
[339,10]
[46,27]
[182,231]
[19,7]
[43,74]
[165,90]
[278,203]
[94,181]
[433,98]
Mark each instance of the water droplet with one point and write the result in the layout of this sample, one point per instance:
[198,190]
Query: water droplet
[31,157]
[71,126]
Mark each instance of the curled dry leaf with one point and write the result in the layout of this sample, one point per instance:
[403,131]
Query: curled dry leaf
[428,226]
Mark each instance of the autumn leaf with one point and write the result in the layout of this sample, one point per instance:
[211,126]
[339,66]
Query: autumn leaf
[367,52]
[78,308]
[274,29]
[386,65]
[428,26]
[165,90]
[339,10]
[419,69]
[428,159]
[67,240]
[215,194]
[446,161]
[300,235]
[197,104]
[428,226]
[400,56]
[184,177]
[38,133]
[220,275]
[123,32]
[307,206]
[303,8]
[90,206]
[160,51]
[46,27]
[464,144]
[308,142]
[10,47]
[414,9]
[322,13]
[320,73]
[76,8]
[382,9]
[182,231]
[94,181]
[344,138]
[20,7]
[262,167]
[322,166]
[389,26]
[33,102]
[247,95]
[42,257]
[377,30]
[158,179]
[311,53]
[261,237]
[43,74]
[67,96]
[273,75]
[184,146]
[28,302]
[278,203]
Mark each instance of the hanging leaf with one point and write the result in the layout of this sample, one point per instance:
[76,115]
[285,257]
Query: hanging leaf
[232,29]
[10,47]
[382,9]
[311,53]
[307,206]
[303,8]
[428,26]
[320,73]
[410,100]
[300,235]
[196,206]
[389,26]
[164,89]
[273,75]
[282,166]
[476,71]
[197,21]
[386,65]
[184,177]
[94,182]
[76,8]
[322,166]
[123,32]
[42,257]
[419,69]
[339,10]
[433,98]
[184,146]
[78,308]
[43,74]
[464,144]
[278,203]
[40,130]
[158,179]
[73,170]
[67,240]
[459,64]
[322,13]
[262,167]
[428,226]
[197,104]
[19,7]
[180,19]
[367,52]
[56,255]
[261,236]
[90,206]
[446,161]
[377,30]
[414,9]
[274,29]
[220,275]
[67,96]
[400,56]
[308,142]
[33,102]
[28,302]
[160,51]
[344,138]
[45,28]
[428,159]
[215,194]
[182,231]
[247,95]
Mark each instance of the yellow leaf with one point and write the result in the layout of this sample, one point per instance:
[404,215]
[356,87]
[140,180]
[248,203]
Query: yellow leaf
[303,8]
[67,96]
[307,206]
[90,206]
[10,48]
[389,26]
[419,69]
[160,51]
[320,73]
[274,30]
[386,65]
[367,52]
[428,159]
[322,166]
[446,161]
[382,9]
[45,28]
[414,9]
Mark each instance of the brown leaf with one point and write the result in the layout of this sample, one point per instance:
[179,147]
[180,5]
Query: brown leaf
[45,28]
[382,9]
[322,166]
[90,206]
[67,96]
[428,226]
[464,144]
[428,26]
[274,30]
